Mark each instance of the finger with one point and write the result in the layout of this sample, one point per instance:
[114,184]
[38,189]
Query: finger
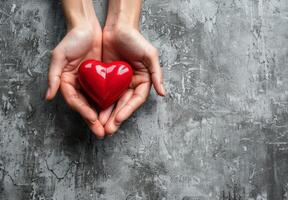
[96,128]
[139,78]
[57,64]
[151,61]
[78,103]
[105,114]
[139,97]
[76,100]
[112,125]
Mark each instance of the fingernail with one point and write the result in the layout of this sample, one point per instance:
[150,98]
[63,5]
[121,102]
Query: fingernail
[47,94]
[163,90]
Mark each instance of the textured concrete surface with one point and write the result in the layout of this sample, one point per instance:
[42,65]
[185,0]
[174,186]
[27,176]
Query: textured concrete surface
[221,133]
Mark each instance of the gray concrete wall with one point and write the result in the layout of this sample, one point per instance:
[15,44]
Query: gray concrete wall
[221,133]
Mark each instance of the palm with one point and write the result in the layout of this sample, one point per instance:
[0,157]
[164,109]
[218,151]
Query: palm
[132,47]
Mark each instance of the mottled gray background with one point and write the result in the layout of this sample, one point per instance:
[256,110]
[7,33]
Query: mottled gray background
[220,134]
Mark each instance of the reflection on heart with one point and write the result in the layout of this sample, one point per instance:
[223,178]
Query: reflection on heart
[104,83]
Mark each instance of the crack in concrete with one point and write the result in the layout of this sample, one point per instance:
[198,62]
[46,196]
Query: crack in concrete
[6,173]
[58,177]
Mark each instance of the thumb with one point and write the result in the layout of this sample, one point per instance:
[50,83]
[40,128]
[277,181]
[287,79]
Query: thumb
[152,63]
[58,62]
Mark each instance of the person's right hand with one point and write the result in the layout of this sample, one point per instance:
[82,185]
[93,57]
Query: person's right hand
[82,42]
[124,42]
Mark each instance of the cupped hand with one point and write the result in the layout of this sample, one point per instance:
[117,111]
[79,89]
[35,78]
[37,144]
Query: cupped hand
[81,43]
[126,43]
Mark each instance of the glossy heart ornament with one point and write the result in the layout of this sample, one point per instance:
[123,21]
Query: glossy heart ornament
[104,83]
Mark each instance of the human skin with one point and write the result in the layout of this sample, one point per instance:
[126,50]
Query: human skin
[123,41]
[120,40]
[83,41]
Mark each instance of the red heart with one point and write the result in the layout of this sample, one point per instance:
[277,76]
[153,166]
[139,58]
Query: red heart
[104,83]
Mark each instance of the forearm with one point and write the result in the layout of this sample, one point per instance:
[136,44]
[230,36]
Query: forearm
[79,12]
[124,12]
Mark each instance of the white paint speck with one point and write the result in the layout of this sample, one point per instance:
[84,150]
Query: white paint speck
[13,8]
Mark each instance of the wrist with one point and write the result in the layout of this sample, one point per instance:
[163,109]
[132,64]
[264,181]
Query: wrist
[123,13]
[76,20]
[79,13]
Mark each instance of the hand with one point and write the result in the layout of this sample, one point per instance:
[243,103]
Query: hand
[126,43]
[83,41]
